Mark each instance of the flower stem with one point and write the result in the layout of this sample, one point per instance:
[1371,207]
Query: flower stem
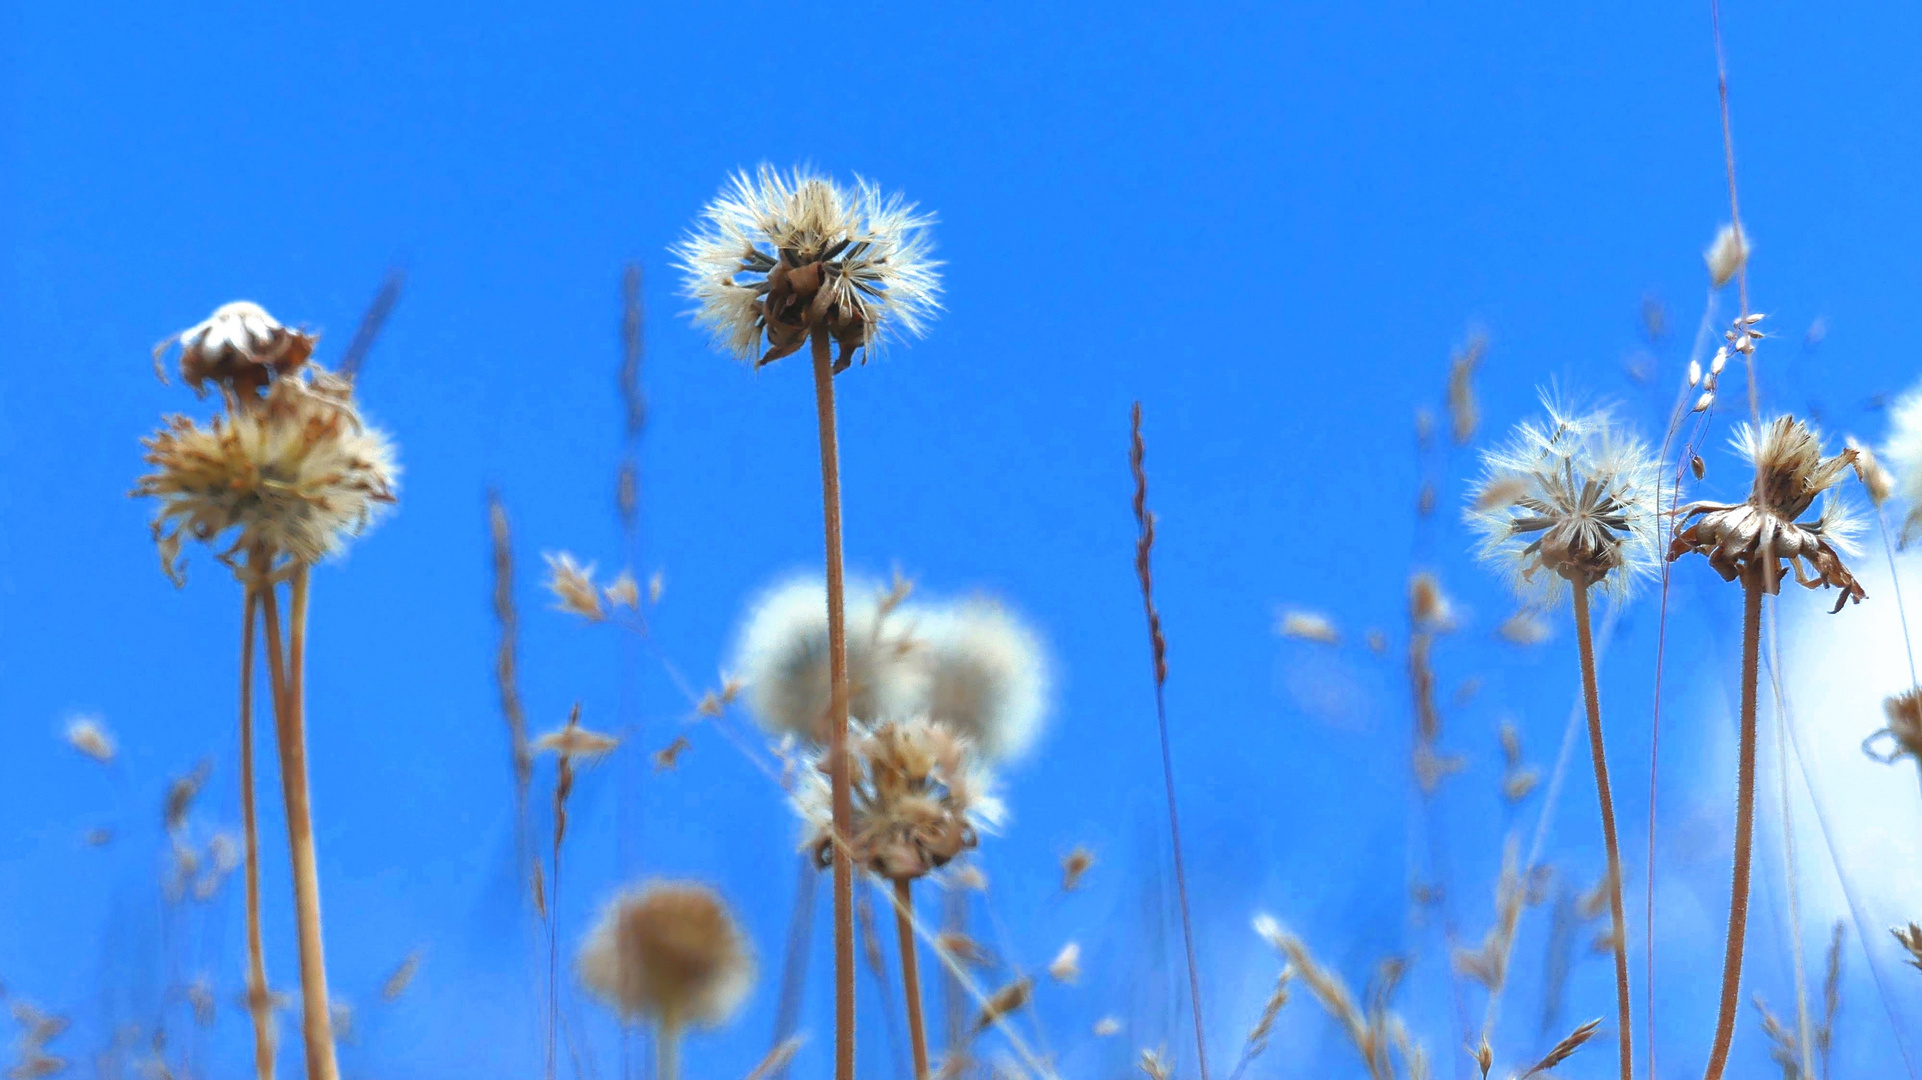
[911,974]
[1625,1030]
[1744,830]
[837,712]
[258,1002]
[290,709]
[667,1052]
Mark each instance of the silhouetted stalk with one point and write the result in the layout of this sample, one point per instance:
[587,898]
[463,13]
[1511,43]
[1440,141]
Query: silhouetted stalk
[259,1003]
[910,975]
[1592,698]
[837,711]
[1744,830]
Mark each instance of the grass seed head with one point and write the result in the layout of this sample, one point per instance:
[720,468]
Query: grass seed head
[1727,255]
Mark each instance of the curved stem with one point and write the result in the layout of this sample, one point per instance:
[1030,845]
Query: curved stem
[290,709]
[837,712]
[1744,832]
[1592,699]
[258,1002]
[910,974]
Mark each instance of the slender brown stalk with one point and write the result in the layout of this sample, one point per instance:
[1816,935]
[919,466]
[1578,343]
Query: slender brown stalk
[1144,570]
[837,711]
[1625,1030]
[290,716]
[259,1004]
[910,974]
[667,1052]
[1744,830]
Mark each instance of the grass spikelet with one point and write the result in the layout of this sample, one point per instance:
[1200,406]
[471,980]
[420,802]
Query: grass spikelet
[1464,411]
[90,736]
[1066,965]
[1308,626]
[1563,1050]
[1009,999]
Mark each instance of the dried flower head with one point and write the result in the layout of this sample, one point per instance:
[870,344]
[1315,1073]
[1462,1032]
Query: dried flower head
[297,473]
[783,659]
[1904,730]
[1726,255]
[1757,536]
[919,800]
[1903,454]
[669,952]
[89,736]
[791,256]
[1586,511]
[985,677]
[238,346]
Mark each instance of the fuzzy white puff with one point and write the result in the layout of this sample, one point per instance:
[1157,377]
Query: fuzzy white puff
[877,243]
[782,658]
[986,677]
[1903,453]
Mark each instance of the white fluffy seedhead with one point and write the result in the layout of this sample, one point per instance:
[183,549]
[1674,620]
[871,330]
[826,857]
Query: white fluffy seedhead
[782,659]
[986,677]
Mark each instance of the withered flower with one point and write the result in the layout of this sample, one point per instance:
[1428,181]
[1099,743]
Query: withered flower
[793,255]
[919,800]
[239,346]
[1755,537]
[1577,506]
[669,952]
[298,473]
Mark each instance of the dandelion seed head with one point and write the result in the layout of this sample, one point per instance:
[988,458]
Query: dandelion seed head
[782,658]
[1585,512]
[783,256]
[985,677]
[669,952]
[298,473]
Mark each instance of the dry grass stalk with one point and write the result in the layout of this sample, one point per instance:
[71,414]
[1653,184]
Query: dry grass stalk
[777,1059]
[1375,1032]
[507,669]
[1265,1023]
[1563,1050]
[1464,412]
[261,1012]
[1488,965]
[1783,1047]
[1144,571]
[1831,998]
[1155,1066]
[877,966]
[910,974]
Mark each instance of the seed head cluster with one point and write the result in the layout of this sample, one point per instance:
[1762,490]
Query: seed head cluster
[792,256]
[1568,500]
[919,800]
[1757,536]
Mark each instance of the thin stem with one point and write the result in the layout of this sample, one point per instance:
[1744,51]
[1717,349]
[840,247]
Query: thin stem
[1592,698]
[667,1052]
[258,1002]
[837,712]
[910,974]
[290,713]
[1744,831]
[794,962]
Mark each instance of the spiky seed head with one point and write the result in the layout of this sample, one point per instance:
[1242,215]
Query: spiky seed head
[239,346]
[668,952]
[298,473]
[1727,255]
[782,658]
[985,677]
[1759,535]
[920,799]
[787,256]
[1578,506]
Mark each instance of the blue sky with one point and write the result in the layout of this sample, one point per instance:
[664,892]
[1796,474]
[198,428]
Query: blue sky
[1269,223]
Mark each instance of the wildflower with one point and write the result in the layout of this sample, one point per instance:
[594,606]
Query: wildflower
[240,346]
[668,952]
[783,660]
[985,678]
[919,801]
[90,737]
[1904,456]
[1726,255]
[794,256]
[297,474]
[1756,536]
[1586,512]
[573,587]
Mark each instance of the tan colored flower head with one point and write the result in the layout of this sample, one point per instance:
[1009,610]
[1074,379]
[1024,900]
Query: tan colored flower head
[1569,500]
[919,801]
[297,474]
[238,346]
[1757,536]
[787,256]
[669,952]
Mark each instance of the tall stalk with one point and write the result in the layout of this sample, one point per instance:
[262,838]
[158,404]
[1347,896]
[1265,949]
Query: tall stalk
[258,1002]
[289,674]
[1744,829]
[837,710]
[911,974]
[1592,698]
